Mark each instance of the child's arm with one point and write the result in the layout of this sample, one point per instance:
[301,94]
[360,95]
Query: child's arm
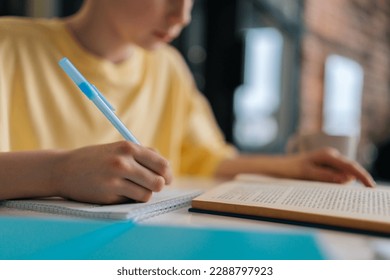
[109,173]
[326,165]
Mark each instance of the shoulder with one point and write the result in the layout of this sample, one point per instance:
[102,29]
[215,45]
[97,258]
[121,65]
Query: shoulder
[167,66]
[171,55]
[172,60]
[9,22]
[16,24]
[20,28]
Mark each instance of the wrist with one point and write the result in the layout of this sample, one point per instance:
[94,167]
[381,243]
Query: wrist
[57,167]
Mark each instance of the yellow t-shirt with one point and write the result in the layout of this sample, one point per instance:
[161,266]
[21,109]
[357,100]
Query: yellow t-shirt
[153,94]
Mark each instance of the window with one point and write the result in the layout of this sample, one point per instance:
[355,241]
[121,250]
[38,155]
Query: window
[258,98]
[266,103]
[343,96]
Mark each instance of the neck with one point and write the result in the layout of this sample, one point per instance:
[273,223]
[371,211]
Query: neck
[91,30]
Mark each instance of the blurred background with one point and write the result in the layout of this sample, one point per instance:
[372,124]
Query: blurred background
[272,68]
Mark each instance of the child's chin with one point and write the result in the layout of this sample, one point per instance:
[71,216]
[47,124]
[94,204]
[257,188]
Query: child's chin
[152,46]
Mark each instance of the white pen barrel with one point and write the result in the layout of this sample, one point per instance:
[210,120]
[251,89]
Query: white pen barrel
[114,120]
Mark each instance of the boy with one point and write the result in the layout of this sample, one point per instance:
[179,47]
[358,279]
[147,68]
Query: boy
[54,142]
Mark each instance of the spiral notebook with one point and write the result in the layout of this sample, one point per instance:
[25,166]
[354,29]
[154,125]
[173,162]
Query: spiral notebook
[165,201]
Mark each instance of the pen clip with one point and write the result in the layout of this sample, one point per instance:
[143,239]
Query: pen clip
[101,96]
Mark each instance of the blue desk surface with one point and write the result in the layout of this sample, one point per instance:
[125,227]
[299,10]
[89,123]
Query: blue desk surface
[49,239]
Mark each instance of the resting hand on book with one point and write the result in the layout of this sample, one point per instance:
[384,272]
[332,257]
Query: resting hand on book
[104,174]
[326,165]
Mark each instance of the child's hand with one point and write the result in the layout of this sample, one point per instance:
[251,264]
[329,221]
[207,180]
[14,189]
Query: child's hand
[111,173]
[328,165]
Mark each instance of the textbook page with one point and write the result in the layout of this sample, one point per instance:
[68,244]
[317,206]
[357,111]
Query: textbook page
[333,204]
[350,200]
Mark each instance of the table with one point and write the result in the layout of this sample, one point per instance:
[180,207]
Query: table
[335,244]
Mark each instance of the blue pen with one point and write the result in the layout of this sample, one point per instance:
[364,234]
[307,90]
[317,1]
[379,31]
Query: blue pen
[96,97]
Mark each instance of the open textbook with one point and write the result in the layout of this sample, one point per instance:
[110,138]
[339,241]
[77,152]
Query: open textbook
[347,206]
[167,200]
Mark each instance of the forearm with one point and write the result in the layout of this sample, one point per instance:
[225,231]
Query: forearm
[321,165]
[104,174]
[272,165]
[28,174]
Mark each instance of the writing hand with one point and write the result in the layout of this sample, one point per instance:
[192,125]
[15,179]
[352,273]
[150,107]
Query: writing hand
[111,173]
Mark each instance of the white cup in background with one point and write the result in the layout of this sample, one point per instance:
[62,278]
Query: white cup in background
[345,144]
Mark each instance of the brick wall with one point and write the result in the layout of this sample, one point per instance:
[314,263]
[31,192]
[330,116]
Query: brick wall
[358,29]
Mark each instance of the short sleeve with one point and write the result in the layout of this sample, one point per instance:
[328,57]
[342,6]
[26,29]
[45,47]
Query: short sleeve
[204,146]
